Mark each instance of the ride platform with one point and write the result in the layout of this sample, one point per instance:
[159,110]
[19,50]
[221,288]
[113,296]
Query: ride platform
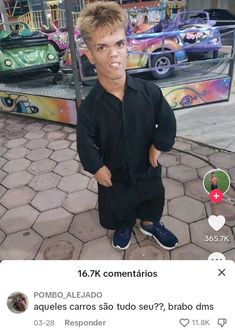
[37,95]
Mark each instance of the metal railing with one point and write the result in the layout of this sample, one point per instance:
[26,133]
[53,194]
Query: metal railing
[54,16]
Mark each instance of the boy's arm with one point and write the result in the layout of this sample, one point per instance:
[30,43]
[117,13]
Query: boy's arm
[165,131]
[89,153]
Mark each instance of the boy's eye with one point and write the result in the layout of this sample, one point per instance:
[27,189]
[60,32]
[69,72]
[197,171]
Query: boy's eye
[101,48]
[120,44]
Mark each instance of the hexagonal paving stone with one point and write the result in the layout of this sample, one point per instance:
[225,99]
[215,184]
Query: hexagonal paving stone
[179,228]
[192,161]
[2,151]
[17,197]
[72,137]
[226,209]
[37,143]
[39,154]
[172,188]
[60,247]
[45,181]
[12,119]
[182,173]
[163,172]
[195,190]
[73,146]
[20,246]
[230,255]
[69,129]
[23,119]
[231,172]
[16,165]
[86,226]
[202,171]
[146,251]
[14,133]
[82,171]
[34,126]
[80,201]
[73,183]
[59,144]
[35,134]
[165,210]
[201,229]
[61,155]
[2,162]
[16,143]
[13,125]
[2,175]
[56,135]
[53,222]
[189,252]
[2,236]
[41,166]
[2,211]
[16,180]
[67,167]
[3,131]
[186,209]
[182,146]
[167,159]
[16,153]
[19,218]
[230,194]
[77,157]
[202,150]
[2,191]
[52,127]
[49,199]
[223,160]
[2,141]
[93,185]
[100,249]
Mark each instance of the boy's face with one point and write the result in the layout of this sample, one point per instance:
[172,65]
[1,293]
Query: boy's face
[108,51]
[20,303]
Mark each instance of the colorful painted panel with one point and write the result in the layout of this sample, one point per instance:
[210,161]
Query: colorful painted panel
[64,111]
[198,93]
[49,108]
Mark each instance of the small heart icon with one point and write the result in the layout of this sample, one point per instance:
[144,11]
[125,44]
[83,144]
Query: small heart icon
[216,222]
[184,322]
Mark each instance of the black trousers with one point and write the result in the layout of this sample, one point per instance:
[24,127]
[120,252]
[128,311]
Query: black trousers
[121,204]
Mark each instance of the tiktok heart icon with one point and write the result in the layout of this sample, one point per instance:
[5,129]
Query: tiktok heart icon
[216,222]
[184,322]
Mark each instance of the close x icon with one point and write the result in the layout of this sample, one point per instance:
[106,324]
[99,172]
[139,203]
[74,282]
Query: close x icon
[221,272]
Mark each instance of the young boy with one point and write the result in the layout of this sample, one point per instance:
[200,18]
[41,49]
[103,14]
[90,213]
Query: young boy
[123,125]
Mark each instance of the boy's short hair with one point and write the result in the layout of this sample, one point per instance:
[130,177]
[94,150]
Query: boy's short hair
[101,15]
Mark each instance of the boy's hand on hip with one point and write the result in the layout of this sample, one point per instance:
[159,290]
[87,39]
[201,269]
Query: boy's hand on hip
[154,155]
[103,177]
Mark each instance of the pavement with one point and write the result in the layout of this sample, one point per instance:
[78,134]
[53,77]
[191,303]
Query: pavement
[211,124]
[48,203]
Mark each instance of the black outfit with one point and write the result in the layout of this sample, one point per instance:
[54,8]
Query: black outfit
[214,186]
[118,134]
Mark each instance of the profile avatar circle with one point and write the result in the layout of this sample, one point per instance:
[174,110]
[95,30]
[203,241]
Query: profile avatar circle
[216,181]
[17,302]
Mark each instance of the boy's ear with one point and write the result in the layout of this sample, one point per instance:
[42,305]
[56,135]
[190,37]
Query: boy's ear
[89,56]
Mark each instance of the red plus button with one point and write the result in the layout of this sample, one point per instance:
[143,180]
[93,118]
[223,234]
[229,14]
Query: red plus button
[216,195]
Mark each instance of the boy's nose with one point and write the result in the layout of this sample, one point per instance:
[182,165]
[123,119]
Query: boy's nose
[113,52]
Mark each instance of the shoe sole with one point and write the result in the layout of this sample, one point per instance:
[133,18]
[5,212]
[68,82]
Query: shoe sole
[159,243]
[121,248]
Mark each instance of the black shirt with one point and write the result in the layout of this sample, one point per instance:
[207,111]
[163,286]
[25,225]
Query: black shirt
[118,134]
